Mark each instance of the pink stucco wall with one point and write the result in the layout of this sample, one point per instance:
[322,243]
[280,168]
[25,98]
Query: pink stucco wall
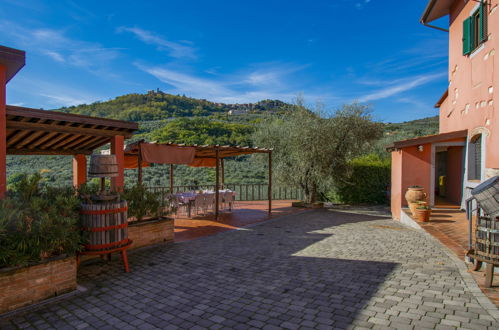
[474,82]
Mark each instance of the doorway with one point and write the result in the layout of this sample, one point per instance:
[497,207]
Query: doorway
[448,176]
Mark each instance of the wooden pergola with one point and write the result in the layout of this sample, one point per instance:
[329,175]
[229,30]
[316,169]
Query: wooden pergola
[41,132]
[216,153]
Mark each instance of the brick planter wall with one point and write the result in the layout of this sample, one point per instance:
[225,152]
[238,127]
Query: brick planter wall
[23,286]
[150,232]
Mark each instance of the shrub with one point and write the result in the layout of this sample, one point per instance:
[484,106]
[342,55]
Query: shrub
[143,202]
[37,222]
[365,182]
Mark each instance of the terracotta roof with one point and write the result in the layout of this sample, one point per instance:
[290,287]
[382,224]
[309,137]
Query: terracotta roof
[427,139]
[442,98]
[436,9]
[12,59]
[42,132]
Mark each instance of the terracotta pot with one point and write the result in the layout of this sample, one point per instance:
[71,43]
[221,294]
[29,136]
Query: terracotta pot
[415,194]
[412,207]
[423,215]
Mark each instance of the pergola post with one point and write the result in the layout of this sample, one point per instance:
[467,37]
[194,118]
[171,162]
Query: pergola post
[171,178]
[217,181]
[117,148]
[139,166]
[270,182]
[223,172]
[3,134]
[79,170]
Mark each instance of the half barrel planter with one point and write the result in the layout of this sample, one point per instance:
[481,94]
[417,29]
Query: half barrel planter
[23,286]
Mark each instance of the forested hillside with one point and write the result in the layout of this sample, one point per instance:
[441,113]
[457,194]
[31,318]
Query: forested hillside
[169,118]
[156,105]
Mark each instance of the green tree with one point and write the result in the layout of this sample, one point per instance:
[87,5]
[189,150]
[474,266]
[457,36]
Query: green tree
[312,149]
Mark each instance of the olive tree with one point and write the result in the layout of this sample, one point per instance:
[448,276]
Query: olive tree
[312,148]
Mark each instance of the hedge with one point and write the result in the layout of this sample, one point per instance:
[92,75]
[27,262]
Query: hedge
[366,182]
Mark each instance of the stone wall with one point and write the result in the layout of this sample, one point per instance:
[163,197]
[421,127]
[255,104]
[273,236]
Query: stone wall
[24,286]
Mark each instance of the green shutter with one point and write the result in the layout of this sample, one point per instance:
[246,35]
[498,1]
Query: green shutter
[483,22]
[467,35]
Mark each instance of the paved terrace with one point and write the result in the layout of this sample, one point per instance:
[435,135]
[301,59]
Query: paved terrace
[314,270]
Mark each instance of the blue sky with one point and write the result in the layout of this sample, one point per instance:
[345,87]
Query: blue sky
[332,52]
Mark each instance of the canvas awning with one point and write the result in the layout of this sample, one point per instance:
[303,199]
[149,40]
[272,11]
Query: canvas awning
[191,155]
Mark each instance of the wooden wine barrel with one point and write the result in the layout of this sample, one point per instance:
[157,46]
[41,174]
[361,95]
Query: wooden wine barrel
[103,166]
[106,224]
[487,239]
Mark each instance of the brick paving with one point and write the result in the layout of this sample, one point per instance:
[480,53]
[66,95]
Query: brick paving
[450,227]
[314,270]
[245,213]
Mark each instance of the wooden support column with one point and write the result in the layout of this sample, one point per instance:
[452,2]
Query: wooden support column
[270,182]
[3,134]
[79,170]
[217,182]
[223,172]
[171,178]
[139,166]
[117,146]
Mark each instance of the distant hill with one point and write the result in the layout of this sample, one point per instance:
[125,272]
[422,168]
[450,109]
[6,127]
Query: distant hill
[157,105]
[164,117]
[406,130]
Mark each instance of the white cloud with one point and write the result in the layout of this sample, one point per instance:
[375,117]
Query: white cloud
[51,94]
[401,85]
[244,87]
[90,56]
[174,49]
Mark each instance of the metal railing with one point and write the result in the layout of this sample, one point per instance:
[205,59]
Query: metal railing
[244,192]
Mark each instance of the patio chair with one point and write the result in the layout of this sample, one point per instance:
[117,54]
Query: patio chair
[199,203]
[229,200]
[209,202]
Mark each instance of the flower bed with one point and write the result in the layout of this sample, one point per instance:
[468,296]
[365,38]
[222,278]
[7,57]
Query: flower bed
[22,286]
[151,231]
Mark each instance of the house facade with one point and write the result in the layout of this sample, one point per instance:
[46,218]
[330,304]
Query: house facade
[466,150]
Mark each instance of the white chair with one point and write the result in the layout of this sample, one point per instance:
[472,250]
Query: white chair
[229,200]
[209,202]
[199,203]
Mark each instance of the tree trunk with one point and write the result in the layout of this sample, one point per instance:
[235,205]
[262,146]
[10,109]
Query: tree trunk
[313,193]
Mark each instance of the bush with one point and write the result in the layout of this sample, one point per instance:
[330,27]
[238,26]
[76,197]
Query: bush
[366,182]
[37,222]
[143,202]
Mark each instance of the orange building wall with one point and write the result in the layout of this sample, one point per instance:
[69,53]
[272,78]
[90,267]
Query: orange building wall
[473,81]
[396,182]
[409,167]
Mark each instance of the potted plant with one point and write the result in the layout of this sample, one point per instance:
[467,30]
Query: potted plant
[423,212]
[414,195]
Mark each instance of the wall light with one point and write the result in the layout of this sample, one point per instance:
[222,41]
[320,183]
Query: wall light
[420,148]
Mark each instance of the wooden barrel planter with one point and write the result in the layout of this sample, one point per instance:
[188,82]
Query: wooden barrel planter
[103,166]
[487,239]
[107,227]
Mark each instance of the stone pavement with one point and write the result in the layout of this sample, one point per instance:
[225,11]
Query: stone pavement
[315,270]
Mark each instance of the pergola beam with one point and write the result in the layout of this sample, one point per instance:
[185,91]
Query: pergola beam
[64,129]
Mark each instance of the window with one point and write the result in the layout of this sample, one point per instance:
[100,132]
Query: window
[475,29]
[475,158]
